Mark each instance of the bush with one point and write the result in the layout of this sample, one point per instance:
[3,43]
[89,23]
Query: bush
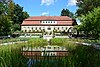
[70,45]
[10,56]
[85,56]
[36,42]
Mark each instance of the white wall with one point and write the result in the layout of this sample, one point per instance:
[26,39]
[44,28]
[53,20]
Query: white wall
[45,27]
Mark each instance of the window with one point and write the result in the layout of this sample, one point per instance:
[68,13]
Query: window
[49,28]
[54,28]
[49,47]
[25,30]
[40,28]
[36,28]
[66,28]
[32,28]
[58,28]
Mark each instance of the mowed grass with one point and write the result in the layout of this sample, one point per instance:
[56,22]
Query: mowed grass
[80,56]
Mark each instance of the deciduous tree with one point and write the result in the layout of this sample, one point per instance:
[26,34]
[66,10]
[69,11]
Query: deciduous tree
[91,22]
[86,5]
[66,12]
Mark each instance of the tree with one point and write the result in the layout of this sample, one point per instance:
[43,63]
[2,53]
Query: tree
[86,5]
[3,8]
[5,26]
[17,15]
[5,21]
[91,23]
[11,16]
[66,12]
[11,8]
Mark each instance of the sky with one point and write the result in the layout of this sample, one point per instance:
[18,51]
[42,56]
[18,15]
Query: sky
[46,7]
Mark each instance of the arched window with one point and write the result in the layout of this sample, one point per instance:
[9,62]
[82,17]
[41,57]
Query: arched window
[66,28]
[32,28]
[54,28]
[39,28]
[25,30]
[36,28]
[58,28]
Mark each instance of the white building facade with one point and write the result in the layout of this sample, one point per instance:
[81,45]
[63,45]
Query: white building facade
[47,25]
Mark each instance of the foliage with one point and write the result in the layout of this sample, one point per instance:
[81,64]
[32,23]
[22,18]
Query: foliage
[5,25]
[13,40]
[10,56]
[91,23]
[5,22]
[85,56]
[66,12]
[86,5]
[11,16]
[17,15]
[37,42]
[63,42]
[80,56]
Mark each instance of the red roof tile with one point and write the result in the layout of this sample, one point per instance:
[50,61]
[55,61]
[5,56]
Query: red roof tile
[49,18]
[61,20]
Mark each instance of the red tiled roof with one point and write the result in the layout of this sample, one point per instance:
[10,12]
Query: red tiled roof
[49,18]
[61,20]
[30,22]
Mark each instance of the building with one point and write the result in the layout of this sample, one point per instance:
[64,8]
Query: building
[48,25]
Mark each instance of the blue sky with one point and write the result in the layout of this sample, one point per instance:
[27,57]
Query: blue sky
[46,7]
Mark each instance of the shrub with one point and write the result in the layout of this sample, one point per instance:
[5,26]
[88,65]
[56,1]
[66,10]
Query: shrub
[70,45]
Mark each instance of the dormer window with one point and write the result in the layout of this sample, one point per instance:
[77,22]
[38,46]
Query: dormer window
[48,22]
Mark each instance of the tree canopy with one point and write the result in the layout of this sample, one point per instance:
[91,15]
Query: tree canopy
[91,22]
[66,12]
[86,5]
[11,16]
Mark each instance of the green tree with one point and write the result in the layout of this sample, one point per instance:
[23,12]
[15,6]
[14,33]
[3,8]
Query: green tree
[91,23]
[11,16]
[5,21]
[86,5]
[66,12]
[17,15]
[5,26]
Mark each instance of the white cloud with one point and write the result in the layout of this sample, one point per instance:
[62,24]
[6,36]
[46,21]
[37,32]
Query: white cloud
[45,13]
[47,2]
[71,2]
